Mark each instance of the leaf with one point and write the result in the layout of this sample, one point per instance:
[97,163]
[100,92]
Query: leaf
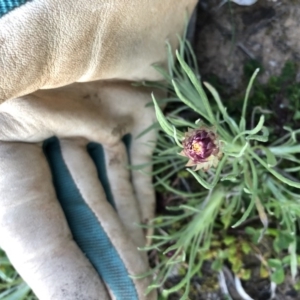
[264,273]
[176,135]
[263,217]
[178,192]
[19,294]
[250,230]
[165,125]
[228,240]
[275,173]
[246,213]
[286,260]
[282,241]
[278,276]
[271,159]
[148,129]
[293,265]
[245,274]
[217,265]
[274,263]
[226,219]
[264,137]
[249,87]
[206,184]
[283,150]
[231,123]
[246,248]
[297,115]
[253,131]
[223,254]
[170,59]
[258,127]
[254,233]
[237,264]
[196,83]
[186,101]
[232,250]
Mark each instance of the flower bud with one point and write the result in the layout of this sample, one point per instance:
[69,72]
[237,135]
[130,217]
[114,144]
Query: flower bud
[202,147]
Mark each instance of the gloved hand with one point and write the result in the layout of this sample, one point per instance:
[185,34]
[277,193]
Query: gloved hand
[85,171]
[68,206]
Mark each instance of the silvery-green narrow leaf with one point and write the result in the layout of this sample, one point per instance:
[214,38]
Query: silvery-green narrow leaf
[204,183]
[177,192]
[294,263]
[271,159]
[275,173]
[258,127]
[263,217]
[19,294]
[253,131]
[231,123]
[282,150]
[249,87]
[166,126]
[197,84]
[246,213]
[187,101]
[148,129]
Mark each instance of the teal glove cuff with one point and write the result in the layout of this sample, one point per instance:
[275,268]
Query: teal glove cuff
[8,5]
[86,229]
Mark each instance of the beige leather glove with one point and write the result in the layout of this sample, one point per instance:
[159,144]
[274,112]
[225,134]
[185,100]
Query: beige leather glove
[68,206]
[90,187]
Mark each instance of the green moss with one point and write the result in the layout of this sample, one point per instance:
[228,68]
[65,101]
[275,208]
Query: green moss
[283,86]
[280,95]
[289,72]
[250,66]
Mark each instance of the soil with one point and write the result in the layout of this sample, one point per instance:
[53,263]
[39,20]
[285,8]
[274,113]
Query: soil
[225,39]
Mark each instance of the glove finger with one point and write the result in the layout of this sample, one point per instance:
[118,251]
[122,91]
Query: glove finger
[141,154]
[93,221]
[111,163]
[140,149]
[34,232]
[134,101]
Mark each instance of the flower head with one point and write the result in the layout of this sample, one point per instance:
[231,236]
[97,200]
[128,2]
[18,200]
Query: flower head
[202,147]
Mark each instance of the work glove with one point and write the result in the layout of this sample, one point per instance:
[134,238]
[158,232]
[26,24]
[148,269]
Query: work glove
[69,204]
[69,207]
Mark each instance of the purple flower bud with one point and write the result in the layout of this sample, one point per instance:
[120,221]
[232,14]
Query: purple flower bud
[202,147]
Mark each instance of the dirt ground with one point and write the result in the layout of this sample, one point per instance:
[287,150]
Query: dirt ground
[229,36]
[225,39]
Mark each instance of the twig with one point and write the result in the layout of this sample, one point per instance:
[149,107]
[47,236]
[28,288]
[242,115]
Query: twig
[240,289]
[246,50]
[223,285]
